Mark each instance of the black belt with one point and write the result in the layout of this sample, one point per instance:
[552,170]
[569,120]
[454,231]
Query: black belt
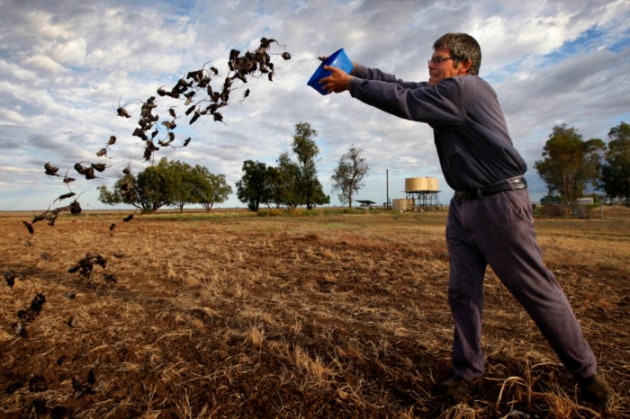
[505,185]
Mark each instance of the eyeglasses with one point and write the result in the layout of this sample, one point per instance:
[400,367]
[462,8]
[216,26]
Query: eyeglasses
[438,60]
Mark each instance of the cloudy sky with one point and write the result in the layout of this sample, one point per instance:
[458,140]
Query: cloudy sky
[65,67]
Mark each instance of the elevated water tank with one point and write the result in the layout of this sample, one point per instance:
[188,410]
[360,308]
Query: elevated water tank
[421,184]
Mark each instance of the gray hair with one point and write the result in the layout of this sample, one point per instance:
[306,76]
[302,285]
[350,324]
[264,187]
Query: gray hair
[462,47]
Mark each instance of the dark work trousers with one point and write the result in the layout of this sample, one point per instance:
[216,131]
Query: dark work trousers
[499,230]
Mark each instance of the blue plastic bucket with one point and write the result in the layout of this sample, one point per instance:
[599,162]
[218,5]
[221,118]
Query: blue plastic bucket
[337,59]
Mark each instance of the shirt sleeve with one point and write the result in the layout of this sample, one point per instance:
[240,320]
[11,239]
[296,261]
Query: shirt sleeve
[440,104]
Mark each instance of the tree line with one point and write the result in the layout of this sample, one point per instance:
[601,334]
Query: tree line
[571,166]
[291,183]
[167,183]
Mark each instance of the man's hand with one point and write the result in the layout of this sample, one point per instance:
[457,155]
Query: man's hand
[337,82]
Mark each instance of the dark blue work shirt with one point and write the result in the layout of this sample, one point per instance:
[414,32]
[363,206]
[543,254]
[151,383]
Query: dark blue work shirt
[470,133]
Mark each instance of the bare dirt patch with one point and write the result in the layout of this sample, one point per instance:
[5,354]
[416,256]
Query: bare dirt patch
[196,316]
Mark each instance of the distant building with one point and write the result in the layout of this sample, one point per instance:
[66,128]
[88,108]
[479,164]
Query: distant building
[585,201]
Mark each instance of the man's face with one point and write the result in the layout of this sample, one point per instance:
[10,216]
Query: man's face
[442,66]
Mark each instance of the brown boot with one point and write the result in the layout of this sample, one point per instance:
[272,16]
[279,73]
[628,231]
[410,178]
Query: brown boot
[595,390]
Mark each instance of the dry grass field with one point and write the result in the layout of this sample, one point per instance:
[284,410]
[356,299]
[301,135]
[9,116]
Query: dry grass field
[223,315]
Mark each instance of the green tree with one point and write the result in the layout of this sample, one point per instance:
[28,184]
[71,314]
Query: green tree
[184,184]
[348,176]
[157,186]
[168,183]
[284,182]
[290,183]
[615,179]
[210,189]
[254,188]
[569,163]
[148,191]
[309,189]
[125,191]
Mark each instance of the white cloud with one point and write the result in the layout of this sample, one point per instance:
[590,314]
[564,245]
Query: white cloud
[11,117]
[43,63]
[70,53]
[41,22]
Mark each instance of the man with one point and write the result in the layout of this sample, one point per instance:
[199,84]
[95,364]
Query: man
[490,218]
